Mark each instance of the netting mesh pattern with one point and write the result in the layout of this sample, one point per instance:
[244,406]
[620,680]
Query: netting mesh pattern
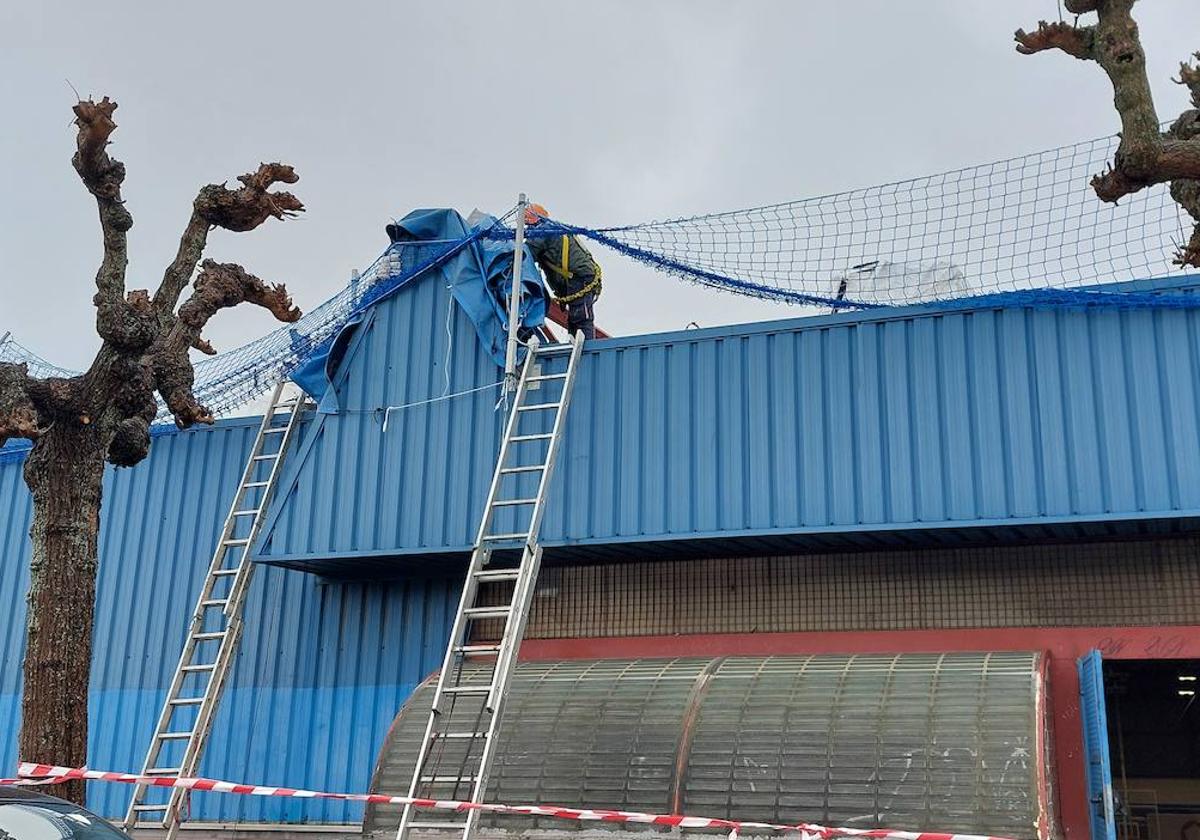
[1027,222]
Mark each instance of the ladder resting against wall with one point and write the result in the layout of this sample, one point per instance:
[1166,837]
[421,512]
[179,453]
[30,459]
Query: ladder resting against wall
[468,703]
[212,637]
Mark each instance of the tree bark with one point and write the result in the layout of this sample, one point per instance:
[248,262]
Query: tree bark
[105,414]
[1145,156]
[64,473]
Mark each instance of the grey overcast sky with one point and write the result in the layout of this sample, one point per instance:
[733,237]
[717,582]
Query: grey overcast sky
[607,112]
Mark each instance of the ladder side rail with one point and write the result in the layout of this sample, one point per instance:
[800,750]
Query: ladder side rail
[197,621]
[556,434]
[198,615]
[503,656]
[479,557]
[204,718]
[248,470]
[514,628]
[237,590]
[510,428]
[233,608]
[458,628]
[532,551]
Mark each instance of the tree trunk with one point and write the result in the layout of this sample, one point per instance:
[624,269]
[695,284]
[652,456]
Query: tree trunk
[64,472]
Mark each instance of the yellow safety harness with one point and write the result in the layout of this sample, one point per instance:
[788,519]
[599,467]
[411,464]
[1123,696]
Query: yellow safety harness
[563,271]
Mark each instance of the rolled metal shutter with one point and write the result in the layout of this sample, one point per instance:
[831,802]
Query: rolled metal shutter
[946,742]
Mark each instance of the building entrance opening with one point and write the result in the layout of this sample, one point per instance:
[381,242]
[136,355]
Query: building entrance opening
[1154,742]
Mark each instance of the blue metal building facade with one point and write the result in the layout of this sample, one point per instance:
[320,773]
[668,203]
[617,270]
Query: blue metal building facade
[856,427]
[321,671]
[853,427]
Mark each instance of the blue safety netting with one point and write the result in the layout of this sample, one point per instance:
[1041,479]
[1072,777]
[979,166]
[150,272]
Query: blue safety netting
[1021,232]
[1028,222]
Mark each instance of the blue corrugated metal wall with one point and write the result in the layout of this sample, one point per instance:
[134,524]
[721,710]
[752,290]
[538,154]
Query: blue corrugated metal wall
[322,669]
[851,423]
[351,488]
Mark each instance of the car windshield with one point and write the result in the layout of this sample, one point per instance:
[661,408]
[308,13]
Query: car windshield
[38,820]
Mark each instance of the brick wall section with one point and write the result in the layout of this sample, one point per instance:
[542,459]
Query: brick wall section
[1075,585]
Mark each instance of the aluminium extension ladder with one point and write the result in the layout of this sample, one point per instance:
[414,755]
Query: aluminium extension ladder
[460,737]
[212,639]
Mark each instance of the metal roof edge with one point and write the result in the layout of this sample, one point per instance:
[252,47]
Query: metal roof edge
[444,560]
[987,302]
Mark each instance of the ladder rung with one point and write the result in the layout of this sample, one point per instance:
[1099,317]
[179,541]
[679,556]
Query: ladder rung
[162,771]
[476,650]
[458,736]
[530,468]
[274,457]
[278,430]
[215,602]
[512,502]
[467,689]
[174,736]
[187,701]
[203,667]
[162,807]
[224,572]
[553,349]
[448,780]
[248,512]
[546,377]
[208,636]
[250,484]
[497,574]
[505,537]
[486,612]
[539,406]
[517,438]
[236,541]
[457,826]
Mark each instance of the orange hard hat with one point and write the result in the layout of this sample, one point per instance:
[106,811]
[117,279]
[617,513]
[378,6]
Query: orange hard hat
[534,213]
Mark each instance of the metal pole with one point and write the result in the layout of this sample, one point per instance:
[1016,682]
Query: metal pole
[514,300]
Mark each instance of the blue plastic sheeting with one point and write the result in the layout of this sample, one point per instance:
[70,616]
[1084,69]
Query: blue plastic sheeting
[479,277]
[1094,717]
[322,669]
[315,374]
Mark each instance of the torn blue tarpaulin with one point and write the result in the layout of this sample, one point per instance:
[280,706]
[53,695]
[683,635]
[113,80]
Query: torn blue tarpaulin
[479,277]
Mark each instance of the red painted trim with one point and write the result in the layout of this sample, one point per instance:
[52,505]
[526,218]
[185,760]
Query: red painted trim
[1063,645]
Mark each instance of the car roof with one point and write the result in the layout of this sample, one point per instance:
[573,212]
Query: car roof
[13,793]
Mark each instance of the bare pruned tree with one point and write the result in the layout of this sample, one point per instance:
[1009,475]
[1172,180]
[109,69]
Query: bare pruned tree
[104,415]
[1146,154]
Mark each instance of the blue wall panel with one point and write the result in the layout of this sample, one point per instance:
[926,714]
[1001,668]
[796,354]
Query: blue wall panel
[907,419]
[322,669]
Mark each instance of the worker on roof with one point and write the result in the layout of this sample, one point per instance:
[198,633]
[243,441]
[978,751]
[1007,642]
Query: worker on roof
[572,273]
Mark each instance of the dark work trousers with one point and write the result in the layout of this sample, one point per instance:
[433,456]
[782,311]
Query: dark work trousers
[581,316]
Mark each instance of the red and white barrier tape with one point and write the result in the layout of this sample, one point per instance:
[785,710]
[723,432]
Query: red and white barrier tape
[41,774]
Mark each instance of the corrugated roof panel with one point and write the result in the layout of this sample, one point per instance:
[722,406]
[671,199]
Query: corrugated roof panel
[903,420]
[321,670]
